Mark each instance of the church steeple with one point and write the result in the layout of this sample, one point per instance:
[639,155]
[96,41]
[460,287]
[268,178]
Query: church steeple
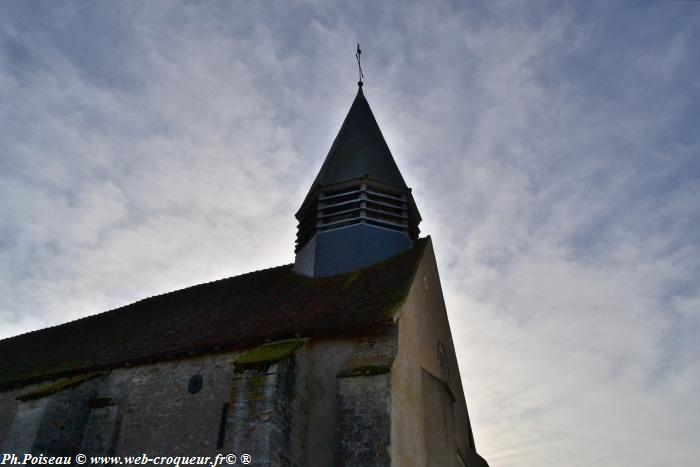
[359,210]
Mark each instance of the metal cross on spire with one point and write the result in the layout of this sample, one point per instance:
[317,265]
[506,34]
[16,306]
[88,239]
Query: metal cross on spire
[359,65]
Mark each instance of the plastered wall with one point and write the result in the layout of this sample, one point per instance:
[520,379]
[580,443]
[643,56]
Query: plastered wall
[423,327]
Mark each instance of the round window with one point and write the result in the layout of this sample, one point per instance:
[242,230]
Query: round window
[195,384]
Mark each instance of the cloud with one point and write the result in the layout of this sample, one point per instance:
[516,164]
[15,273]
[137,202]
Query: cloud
[552,151]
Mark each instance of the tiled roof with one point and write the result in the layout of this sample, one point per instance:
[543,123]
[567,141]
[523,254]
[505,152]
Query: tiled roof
[231,313]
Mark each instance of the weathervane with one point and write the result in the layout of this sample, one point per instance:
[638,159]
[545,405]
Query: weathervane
[359,65]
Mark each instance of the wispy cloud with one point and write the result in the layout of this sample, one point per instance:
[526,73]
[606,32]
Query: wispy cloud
[552,150]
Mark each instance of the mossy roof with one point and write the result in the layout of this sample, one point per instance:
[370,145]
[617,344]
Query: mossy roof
[268,353]
[58,386]
[234,313]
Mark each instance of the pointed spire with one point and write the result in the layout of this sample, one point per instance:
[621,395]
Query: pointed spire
[359,151]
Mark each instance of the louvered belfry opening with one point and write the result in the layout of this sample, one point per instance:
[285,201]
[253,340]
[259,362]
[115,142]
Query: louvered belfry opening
[359,210]
[360,202]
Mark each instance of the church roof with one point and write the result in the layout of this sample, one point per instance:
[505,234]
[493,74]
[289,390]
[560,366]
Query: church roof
[232,313]
[358,151]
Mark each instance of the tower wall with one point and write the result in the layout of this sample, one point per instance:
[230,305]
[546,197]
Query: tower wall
[305,259]
[349,248]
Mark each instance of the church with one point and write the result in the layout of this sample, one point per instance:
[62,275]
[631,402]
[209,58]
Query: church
[343,358]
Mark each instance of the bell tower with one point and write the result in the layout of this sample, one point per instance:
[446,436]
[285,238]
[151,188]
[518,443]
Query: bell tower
[358,210]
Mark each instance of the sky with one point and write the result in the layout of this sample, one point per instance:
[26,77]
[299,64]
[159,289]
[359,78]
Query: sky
[552,147]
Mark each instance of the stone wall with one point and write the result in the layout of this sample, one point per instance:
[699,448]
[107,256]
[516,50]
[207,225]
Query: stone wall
[126,411]
[326,357]
[364,422]
[363,425]
[268,409]
[295,410]
[64,421]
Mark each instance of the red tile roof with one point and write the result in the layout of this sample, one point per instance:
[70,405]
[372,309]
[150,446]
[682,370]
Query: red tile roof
[231,313]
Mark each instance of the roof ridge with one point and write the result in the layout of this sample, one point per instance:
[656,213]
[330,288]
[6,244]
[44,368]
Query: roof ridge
[150,297]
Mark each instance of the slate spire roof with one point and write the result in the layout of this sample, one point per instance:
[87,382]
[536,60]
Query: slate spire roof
[359,151]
